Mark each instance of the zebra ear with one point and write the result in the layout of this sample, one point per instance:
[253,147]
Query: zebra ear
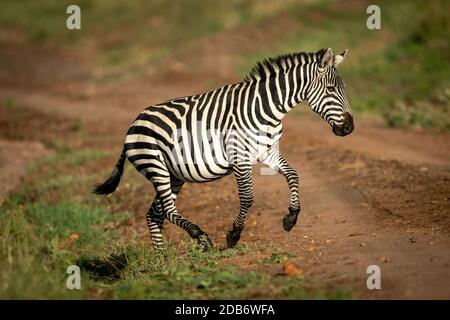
[339,58]
[327,58]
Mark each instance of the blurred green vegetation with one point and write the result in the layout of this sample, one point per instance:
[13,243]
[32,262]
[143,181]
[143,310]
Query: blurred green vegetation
[401,71]
[131,32]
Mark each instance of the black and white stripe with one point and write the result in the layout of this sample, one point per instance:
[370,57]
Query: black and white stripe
[203,137]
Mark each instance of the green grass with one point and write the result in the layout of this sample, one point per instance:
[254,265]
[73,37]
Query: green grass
[60,220]
[35,253]
[30,267]
[66,156]
[52,222]
[35,249]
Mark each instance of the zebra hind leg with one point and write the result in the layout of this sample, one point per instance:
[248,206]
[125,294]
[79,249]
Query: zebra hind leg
[164,186]
[155,215]
[155,220]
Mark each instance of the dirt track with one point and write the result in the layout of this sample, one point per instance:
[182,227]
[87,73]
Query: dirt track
[380,196]
[358,210]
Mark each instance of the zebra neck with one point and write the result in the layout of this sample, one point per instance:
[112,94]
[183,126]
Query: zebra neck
[278,97]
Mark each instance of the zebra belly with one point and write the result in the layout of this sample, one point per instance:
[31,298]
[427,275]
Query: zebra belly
[199,160]
[196,159]
[177,172]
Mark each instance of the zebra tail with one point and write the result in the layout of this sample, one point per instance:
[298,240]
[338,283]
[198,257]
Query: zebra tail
[110,185]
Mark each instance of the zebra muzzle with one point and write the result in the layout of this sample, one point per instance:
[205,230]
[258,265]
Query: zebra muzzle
[346,128]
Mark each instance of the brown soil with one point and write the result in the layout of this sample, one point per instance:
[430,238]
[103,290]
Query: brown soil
[380,196]
[358,209]
[14,158]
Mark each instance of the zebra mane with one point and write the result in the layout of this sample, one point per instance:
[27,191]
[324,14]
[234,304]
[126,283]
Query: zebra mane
[269,65]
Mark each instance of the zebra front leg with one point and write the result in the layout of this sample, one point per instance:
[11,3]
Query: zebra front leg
[167,201]
[243,174]
[290,220]
[276,161]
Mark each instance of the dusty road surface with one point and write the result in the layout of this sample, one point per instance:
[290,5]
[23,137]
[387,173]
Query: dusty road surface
[378,197]
[359,209]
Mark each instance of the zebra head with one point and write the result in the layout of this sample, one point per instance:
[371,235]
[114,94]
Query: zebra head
[327,93]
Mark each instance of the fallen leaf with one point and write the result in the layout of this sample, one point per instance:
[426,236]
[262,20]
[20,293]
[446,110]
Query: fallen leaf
[290,269]
[72,237]
[252,223]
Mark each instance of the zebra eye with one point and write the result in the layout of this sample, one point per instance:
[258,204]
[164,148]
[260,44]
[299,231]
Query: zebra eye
[331,88]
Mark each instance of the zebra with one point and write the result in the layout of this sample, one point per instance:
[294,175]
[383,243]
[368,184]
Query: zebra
[207,136]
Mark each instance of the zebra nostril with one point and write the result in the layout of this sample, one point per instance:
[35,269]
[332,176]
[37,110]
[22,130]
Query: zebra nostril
[348,128]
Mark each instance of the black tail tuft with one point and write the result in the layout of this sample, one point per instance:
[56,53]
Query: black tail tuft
[110,185]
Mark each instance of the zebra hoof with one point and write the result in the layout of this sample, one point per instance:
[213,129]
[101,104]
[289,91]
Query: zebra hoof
[290,220]
[233,237]
[205,242]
